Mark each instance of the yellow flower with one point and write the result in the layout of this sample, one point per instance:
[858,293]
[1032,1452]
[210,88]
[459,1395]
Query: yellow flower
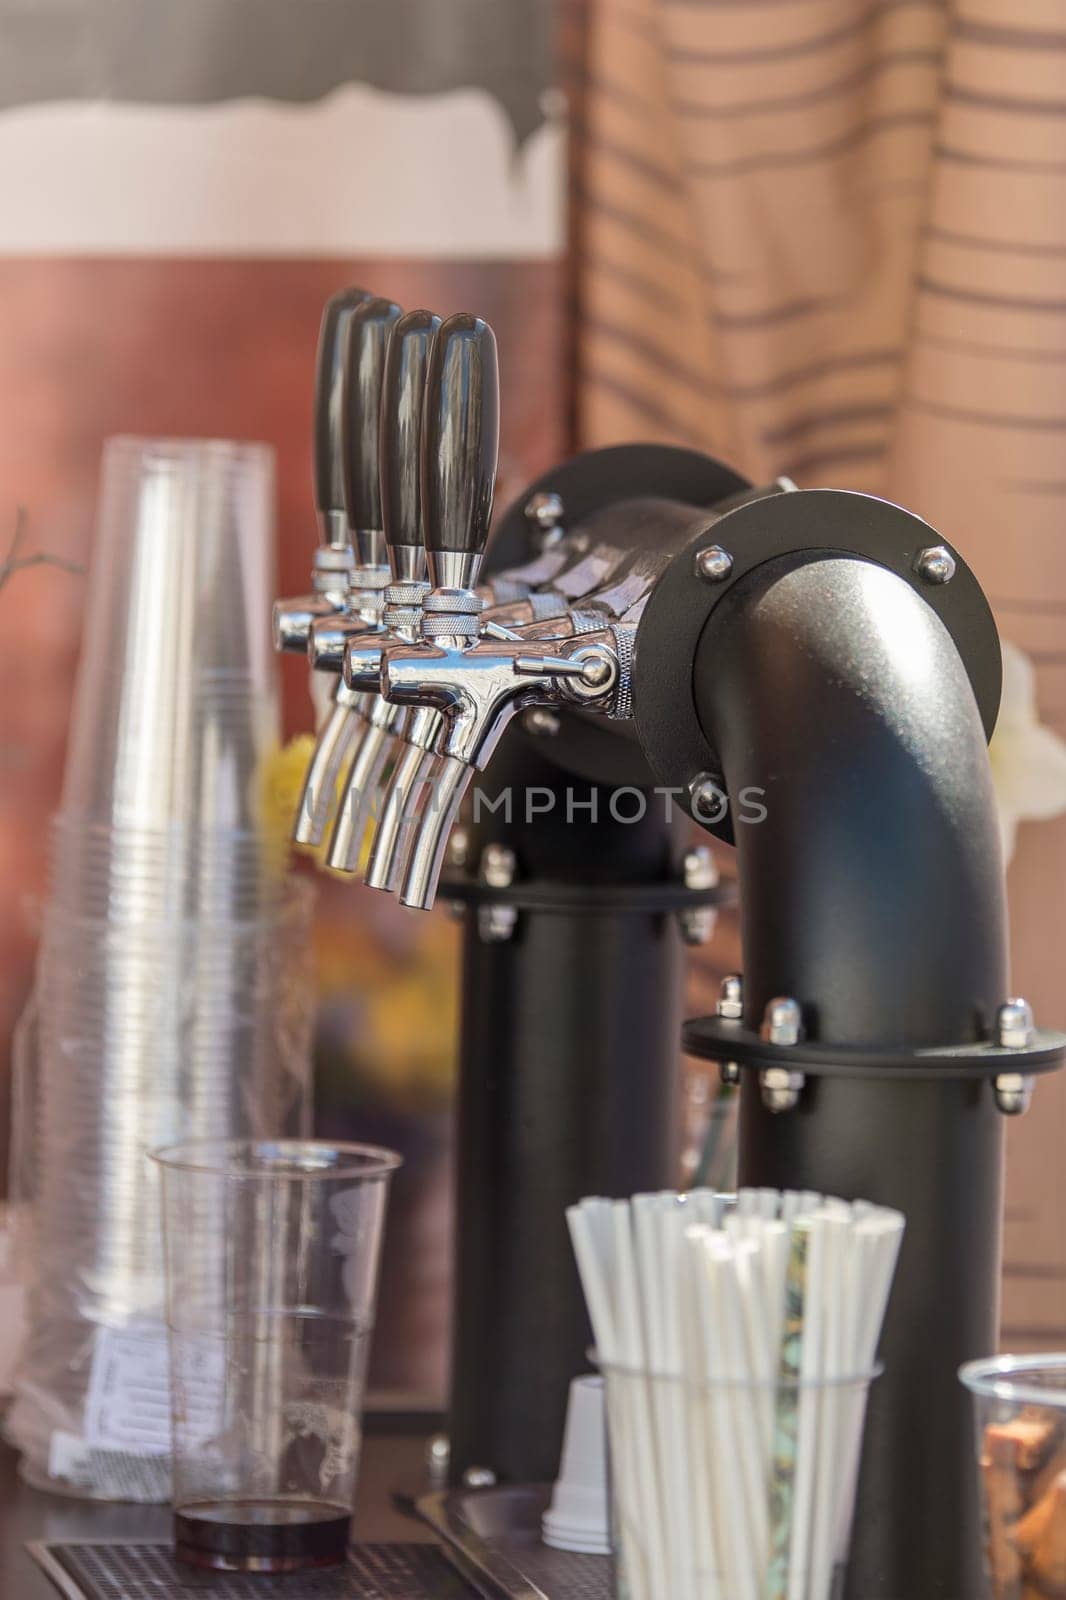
[281,785]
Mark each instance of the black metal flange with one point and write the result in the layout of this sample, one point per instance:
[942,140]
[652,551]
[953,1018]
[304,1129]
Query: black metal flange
[589,485]
[807,524]
[722,1039]
[592,899]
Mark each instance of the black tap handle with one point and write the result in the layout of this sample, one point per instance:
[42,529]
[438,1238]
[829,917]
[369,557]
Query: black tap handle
[460,437]
[402,406]
[364,369]
[329,368]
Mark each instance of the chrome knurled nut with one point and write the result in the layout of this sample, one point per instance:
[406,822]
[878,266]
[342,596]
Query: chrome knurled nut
[408,593]
[624,643]
[370,578]
[456,602]
[546,607]
[439,625]
[402,617]
[334,558]
[506,590]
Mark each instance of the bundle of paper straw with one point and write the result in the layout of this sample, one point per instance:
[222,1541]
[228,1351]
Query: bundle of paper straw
[737,1337]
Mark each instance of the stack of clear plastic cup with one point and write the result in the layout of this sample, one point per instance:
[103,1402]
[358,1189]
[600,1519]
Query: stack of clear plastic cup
[174,992]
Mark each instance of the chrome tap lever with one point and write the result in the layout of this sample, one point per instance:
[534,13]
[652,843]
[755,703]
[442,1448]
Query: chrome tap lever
[399,446]
[399,436]
[458,456]
[367,337]
[460,451]
[362,369]
[293,618]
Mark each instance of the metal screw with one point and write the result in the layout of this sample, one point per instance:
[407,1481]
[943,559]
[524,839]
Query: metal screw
[781,1089]
[459,847]
[935,564]
[782,1021]
[700,871]
[498,866]
[782,1024]
[708,802]
[700,868]
[713,564]
[496,924]
[1014,1093]
[545,512]
[542,722]
[1014,1031]
[1014,1025]
[438,1456]
[479,1478]
[697,924]
[731,997]
[730,1004]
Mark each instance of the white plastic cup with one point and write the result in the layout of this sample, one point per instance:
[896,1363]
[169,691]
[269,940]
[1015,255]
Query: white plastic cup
[578,1517]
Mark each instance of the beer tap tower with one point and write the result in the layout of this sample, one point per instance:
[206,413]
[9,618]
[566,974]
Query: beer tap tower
[811,675]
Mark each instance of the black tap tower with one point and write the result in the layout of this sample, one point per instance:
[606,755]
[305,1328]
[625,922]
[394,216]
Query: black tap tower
[711,644]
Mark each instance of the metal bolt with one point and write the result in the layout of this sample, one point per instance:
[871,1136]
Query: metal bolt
[700,868]
[1014,1031]
[730,1004]
[708,802]
[935,564]
[542,722]
[496,924]
[697,924]
[700,871]
[459,847]
[731,997]
[781,1089]
[782,1024]
[782,1021]
[545,512]
[498,866]
[479,1478]
[713,564]
[1014,1025]
[438,1456]
[1014,1093]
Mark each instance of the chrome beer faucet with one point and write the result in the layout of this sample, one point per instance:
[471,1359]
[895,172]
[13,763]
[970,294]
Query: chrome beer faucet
[468,689]
[333,559]
[399,436]
[362,370]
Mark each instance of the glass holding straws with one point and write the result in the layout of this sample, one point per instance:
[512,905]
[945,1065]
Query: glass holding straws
[272,1264]
[738,1342]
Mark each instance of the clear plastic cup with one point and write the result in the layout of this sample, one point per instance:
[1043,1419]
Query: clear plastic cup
[732,1489]
[271,1254]
[176,701]
[1020,1414]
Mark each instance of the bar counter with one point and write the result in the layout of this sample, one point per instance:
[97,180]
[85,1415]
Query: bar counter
[27,1515]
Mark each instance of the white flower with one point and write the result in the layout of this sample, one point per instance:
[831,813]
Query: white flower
[1028,761]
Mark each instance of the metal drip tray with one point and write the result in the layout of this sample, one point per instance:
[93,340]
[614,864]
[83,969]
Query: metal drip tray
[150,1572]
[494,1535]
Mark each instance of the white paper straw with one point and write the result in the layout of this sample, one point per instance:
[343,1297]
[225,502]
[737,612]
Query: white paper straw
[735,1445]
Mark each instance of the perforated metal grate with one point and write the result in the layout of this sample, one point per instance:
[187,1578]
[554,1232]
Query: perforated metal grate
[150,1572]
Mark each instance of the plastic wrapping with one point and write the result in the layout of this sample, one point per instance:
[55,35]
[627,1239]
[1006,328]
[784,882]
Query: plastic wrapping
[173,994]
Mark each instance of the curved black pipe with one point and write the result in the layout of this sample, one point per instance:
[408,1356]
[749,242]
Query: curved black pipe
[872,892]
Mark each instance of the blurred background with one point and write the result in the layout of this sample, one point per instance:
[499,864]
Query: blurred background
[824,238]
